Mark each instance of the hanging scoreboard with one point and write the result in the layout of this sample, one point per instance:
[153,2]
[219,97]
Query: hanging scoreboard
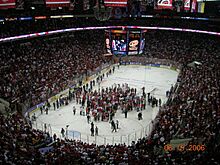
[125,42]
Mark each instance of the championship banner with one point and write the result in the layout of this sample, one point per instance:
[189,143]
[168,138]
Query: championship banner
[186,5]
[6,4]
[164,4]
[194,6]
[116,3]
[57,3]
[201,7]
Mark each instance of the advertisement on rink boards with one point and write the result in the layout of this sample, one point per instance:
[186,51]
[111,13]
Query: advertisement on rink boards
[161,64]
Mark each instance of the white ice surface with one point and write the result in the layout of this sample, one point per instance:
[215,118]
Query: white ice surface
[155,80]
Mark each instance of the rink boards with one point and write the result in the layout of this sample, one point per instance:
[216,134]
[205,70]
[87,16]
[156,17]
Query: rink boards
[94,76]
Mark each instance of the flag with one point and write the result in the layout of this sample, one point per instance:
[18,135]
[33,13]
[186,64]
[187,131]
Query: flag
[116,3]
[57,3]
[6,4]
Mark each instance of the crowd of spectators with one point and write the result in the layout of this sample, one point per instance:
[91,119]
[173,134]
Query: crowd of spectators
[18,141]
[38,69]
[194,110]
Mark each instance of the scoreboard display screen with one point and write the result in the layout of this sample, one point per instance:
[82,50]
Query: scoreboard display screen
[125,42]
[107,43]
[142,43]
[134,42]
[119,42]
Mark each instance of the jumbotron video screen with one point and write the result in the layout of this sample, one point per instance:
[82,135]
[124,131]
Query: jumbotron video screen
[125,42]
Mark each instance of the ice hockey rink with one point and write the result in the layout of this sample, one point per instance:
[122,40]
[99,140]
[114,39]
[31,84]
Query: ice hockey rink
[155,80]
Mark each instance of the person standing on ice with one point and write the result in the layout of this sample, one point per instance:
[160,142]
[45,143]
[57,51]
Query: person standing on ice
[54,106]
[57,104]
[82,111]
[33,118]
[117,123]
[46,110]
[96,131]
[45,127]
[63,132]
[74,110]
[54,137]
[83,100]
[41,110]
[126,113]
[113,126]
[143,92]
[92,125]
[140,116]
[160,102]
[92,131]
[88,118]
[48,105]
